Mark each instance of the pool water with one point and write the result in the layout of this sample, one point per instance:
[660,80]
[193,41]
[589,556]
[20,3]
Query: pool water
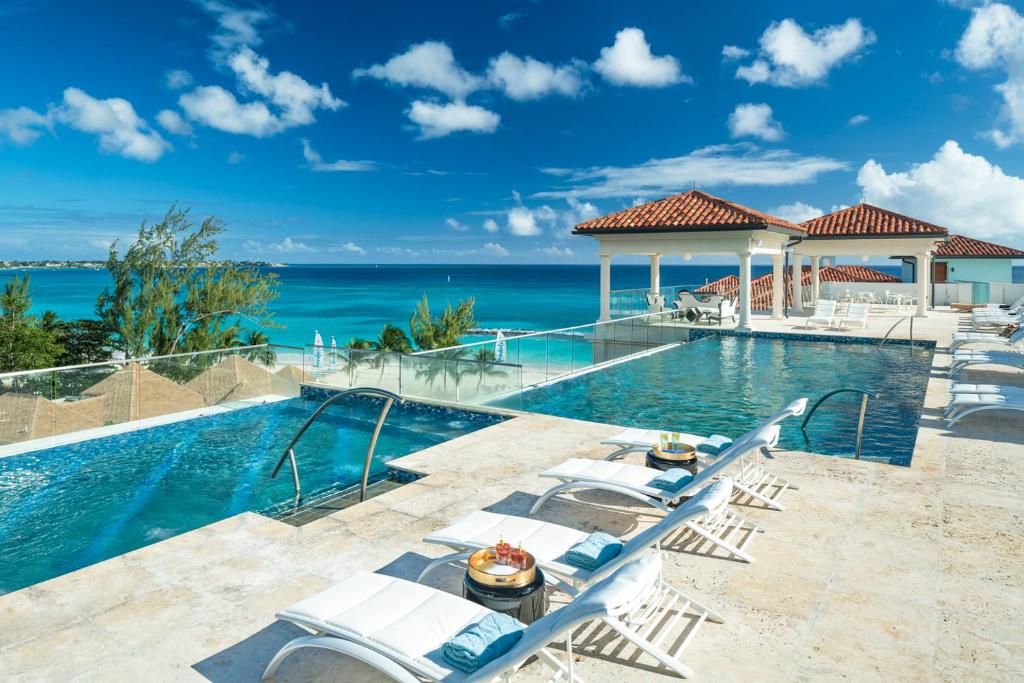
[71,506]
[726,385]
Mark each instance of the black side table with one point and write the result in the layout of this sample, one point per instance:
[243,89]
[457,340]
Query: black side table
[527,604]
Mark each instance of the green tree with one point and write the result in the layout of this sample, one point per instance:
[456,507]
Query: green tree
[264,354]
[431,332]
[81,341]
[170,294]
[24,343]
[392,339]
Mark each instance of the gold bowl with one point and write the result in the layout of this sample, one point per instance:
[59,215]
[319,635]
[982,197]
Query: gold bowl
[484,569]
[683,453]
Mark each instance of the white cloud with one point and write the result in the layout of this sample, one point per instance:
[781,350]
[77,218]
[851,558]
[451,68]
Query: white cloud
[236,157]
[562,252]
[530,79]
[741,164]
[495,248]
[236,26]
[797,212]
[176,79]
[217,108]
[348,247]
[455,225]
[438,120]
[429,65]
[733,52]
[994,39]
[120,130]
[755,120]
[490,225]
[285,246]
[963,192]
[858,120]
[790,57]
[317,163]
[629,61]
[296,98]
[522,222]
[398,251]
[172,122]
[22,126]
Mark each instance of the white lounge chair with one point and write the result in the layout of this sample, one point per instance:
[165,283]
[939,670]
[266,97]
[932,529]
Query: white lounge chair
[968,388]
[965,359]
[633,480]
[963,405]
[706,515]
[398,627]
[856,314]
[964,338]
[824,313]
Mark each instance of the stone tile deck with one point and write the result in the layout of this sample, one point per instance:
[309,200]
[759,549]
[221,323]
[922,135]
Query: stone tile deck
[872,572]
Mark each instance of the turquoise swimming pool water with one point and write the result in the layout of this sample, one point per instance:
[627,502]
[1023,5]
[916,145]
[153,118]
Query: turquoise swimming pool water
[726,385]
[68,507]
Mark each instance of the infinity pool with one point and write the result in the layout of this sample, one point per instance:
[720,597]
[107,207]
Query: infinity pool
[726,385]
[67,507]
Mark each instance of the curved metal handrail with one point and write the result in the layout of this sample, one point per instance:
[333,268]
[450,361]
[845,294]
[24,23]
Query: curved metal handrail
[289,452]
[865,394]
[886,337]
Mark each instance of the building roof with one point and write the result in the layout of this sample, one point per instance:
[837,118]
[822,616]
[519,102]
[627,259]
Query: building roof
[960,246]
[761,287]
[693,211]
[865,220]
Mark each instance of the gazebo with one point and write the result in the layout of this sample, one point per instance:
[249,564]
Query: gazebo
[690,223]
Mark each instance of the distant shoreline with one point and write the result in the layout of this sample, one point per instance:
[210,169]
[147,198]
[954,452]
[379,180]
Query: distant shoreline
[101,265]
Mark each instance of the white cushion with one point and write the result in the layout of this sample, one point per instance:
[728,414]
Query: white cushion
[649,437]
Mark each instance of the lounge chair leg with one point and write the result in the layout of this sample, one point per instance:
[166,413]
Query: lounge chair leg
[569,485]
[728,547]
[615,455]
[386,666]
[460,556]
[656,652]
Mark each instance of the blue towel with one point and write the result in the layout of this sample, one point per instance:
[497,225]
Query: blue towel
[482,643]
[593,551]
[715,444]
[671,480]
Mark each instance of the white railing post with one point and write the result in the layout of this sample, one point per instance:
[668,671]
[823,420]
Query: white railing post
[606,287]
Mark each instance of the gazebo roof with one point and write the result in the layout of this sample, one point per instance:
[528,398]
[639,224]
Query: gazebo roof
[960,246]
[692,211]
[865,220]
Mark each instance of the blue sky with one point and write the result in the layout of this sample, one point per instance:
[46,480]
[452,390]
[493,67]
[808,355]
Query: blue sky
[480,132]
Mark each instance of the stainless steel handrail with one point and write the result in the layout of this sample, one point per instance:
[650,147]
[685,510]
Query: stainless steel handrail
[886,337]
[289,452]
[865,394]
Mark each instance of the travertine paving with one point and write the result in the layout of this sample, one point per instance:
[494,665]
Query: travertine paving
[872,571]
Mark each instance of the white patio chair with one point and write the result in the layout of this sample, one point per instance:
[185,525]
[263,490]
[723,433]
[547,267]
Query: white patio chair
[965,359]
[965,338]
[963,405]
[399,627]
[824,312]
[856,314]
[1000,389]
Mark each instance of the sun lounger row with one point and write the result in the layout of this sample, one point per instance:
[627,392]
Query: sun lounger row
[825,314]
[404,629]
[966,399]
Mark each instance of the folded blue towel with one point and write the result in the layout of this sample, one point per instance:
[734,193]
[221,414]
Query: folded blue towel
[714,444]
[671,480]
[482,643]
[594,551]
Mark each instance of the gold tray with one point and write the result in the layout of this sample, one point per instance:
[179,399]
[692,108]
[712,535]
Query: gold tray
[484,569]
[684,454]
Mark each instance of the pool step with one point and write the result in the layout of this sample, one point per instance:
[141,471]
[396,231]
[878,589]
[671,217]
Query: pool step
[332,502]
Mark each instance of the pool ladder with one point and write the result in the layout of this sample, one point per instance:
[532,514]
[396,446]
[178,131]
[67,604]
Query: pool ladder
[894,325]
[289,452]
[864,396]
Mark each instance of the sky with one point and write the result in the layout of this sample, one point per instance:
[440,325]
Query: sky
[481,132]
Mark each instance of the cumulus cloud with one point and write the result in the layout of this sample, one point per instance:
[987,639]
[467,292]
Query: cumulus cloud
[430,65]
[317,163]
[490,225]
[348,248]
[172,122]
[790,57]
[558,252]
[629,61]
[994,39]
[733,52]
[495,249]
[797,212]
[741,164]
[285,246]
[295,98]
[236,26]
[456,225]
[858,120]
[755,120]
[530,79]
[963,192]
[522,222]
[176,79]
[438,120]
[23,126]
[120,130]
[213,106]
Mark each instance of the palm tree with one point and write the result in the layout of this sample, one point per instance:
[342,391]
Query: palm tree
[265,353]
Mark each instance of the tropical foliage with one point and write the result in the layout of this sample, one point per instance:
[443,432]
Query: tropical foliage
[25,344]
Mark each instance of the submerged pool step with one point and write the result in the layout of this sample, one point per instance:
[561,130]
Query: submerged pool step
[332,502]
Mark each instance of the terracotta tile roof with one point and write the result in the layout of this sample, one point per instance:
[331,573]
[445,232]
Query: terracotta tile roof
[864,220]
[960,246]
[761,287]
[688,211]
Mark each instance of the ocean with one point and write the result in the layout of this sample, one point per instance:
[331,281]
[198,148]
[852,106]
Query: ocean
[347,301]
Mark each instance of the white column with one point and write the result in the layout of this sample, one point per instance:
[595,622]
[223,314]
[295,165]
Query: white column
[744,291]
[777,286]
[796,279]
[655,273]
[924,266]
[606,287]
[815,283]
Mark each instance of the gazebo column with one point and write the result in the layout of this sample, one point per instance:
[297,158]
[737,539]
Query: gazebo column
[777,286]
[744,291]
[815,282]
[655,273]
[923,271]
[796,279]
[606,287]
